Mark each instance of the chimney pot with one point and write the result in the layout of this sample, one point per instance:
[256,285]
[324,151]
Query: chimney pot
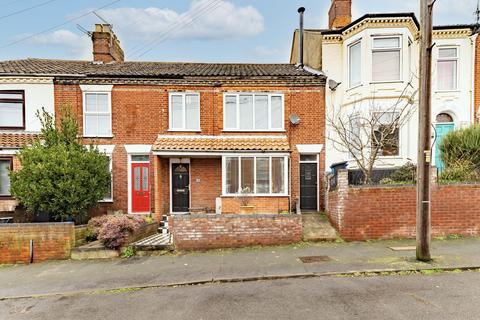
[340,14]
[106,46]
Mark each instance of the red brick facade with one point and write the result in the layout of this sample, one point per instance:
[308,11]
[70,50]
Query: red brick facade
[382,212]
[51,241]
[140,114]
[227,231]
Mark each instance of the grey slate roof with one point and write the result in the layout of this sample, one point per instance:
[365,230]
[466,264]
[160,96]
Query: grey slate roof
[147,69]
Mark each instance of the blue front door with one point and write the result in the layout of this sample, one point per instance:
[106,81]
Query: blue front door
[441,129]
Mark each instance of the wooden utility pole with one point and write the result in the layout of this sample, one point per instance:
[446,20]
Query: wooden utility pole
[424,132]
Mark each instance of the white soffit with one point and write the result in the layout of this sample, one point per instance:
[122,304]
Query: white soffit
[138,148]
[309,148]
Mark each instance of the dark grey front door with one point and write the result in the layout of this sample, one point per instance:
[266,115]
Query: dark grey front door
[180,187]
[308,186]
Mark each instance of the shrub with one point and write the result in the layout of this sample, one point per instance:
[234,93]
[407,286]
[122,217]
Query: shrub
[461,145]
[59,175]
[93,227]
[115,230]
[406,174]
[460,171]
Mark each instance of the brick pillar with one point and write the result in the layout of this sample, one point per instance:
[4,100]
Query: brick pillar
[342,190]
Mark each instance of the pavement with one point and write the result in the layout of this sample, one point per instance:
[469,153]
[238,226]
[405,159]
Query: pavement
[440,296]
[172,269]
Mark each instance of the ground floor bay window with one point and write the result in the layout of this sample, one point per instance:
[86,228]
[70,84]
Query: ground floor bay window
[260,175]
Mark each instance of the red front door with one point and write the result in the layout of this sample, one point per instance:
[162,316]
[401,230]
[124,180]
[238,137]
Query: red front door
[140,187]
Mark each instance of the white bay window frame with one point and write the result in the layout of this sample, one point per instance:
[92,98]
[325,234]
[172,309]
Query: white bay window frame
[97,113]
[269,128]
[380,49]
[184,112]
[354,69]
[286,159]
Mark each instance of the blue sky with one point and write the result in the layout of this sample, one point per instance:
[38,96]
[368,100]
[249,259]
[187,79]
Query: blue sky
[183,30]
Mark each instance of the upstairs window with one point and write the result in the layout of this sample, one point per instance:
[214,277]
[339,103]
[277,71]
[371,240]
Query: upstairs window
[184,111]
[354,64]
[12,109]
[447,69]
[5,167]
[253,112]
[386,57]
[97,114]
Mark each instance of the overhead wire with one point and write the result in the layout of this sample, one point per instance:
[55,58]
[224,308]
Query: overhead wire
[182,23]
[58,25]
[26,9]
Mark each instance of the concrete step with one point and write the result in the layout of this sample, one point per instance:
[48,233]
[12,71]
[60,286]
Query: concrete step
[316,227]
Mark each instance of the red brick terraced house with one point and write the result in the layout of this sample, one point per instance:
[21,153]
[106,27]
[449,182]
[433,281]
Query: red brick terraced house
[182,137]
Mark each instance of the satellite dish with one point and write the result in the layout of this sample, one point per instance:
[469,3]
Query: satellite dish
[294,119]
[332,84]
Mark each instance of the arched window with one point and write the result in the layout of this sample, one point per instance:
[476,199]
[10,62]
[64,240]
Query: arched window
[444,117]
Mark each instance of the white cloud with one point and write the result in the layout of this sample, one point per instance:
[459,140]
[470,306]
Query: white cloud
[205,19]
[79,46]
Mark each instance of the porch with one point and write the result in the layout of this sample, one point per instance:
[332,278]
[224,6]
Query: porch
[201,175]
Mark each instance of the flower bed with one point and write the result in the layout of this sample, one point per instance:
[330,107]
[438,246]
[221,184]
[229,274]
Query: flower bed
[117,231]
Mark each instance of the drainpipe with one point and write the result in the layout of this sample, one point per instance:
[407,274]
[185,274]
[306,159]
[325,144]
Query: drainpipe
[300,10]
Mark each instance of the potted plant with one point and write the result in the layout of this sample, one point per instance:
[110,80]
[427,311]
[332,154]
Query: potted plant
[244,199]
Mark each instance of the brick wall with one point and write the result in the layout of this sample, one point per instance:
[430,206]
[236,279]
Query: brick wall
[382,212]
[206,182]
[227,231]
[267,205]
[51,241]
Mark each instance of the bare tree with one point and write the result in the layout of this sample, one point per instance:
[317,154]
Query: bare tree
[369,131]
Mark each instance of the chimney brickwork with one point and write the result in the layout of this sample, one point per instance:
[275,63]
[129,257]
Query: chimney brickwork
[106,46]
[340,14]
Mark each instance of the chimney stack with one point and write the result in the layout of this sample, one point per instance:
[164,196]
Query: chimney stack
[106,46]
[340,14]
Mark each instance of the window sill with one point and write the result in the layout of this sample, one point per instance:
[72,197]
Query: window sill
[254,195]
[106,201]
[98,137]
[387,82]
[265,131]
[12,128]
[183,130]
[448,91]
[354,87]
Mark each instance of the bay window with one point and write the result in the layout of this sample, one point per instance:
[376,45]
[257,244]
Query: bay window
[447,69]
[184,110]
[354,64]
[386,58]
[109,196]
[12,109]
[386,134]
[5,167]
[97,114]
[259,175]
[253,112]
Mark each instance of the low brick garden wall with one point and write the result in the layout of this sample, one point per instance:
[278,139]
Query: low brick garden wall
[210,231]
[383,212]
[51,241]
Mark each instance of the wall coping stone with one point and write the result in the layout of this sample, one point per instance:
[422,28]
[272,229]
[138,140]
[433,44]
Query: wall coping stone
[233,216]
[36,224]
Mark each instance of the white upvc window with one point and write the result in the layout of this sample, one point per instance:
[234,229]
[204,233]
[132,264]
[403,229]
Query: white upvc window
[5,167]
[386,59]
[184,111]
[253,112]
[355,64]
[255,175]
[447,66]
[97,114]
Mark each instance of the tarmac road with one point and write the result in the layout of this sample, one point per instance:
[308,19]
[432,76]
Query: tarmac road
[437,296]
